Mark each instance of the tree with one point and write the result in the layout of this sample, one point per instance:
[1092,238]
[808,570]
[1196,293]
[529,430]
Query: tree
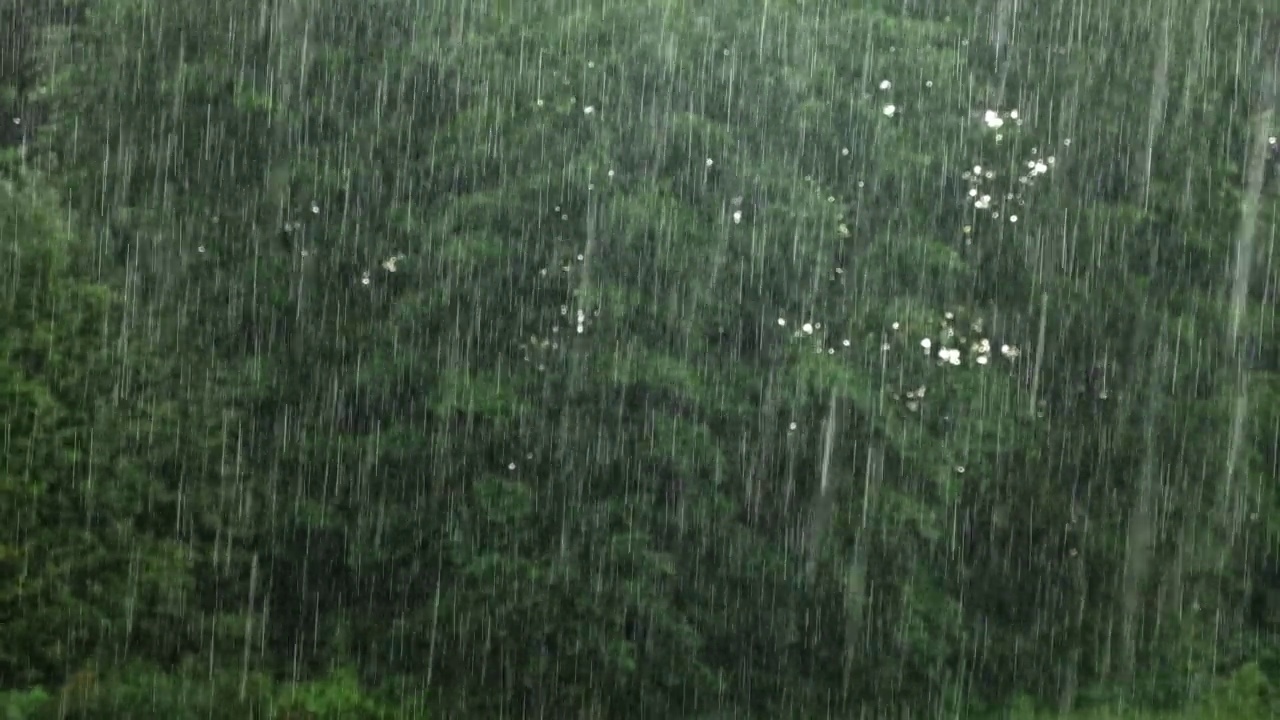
[77,549]
[664,359]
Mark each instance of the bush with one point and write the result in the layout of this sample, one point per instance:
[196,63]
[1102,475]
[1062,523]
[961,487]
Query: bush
[143,693]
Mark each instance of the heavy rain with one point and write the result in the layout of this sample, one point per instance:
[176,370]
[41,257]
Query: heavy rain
[666,359]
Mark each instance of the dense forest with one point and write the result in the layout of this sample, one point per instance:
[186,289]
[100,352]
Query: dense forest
[655,359]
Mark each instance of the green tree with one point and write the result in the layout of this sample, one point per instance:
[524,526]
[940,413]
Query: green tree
[80,566]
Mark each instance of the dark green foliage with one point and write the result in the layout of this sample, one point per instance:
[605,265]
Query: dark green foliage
[647,360]
[77,555]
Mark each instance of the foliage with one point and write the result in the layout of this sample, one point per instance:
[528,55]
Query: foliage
[145,692]
[75,544]
[626,360]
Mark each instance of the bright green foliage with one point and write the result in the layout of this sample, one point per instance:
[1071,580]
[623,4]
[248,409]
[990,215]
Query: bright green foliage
[143,693]
[1247,694]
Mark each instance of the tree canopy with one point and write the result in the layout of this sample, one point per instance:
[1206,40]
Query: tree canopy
[661,359]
